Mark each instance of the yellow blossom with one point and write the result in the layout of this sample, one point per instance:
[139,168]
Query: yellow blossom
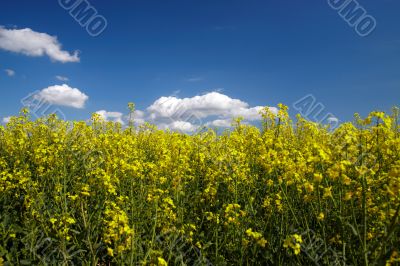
[161,262]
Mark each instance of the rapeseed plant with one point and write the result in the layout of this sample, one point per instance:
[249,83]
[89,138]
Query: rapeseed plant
[97,193]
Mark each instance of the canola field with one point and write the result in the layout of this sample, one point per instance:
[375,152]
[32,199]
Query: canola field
[290,193]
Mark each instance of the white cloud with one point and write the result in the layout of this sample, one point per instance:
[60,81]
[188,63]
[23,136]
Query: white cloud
[63,95]
[139,114]
[32,43]
[10,72]
[111,116]
[6,120]
[139,117]
[220,123]
[210,104]
[216,108]
[333,119]
[183,126]
[62,78]
[189,114]
[250,114]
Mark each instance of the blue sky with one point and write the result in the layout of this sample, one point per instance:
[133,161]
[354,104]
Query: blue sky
[259,52]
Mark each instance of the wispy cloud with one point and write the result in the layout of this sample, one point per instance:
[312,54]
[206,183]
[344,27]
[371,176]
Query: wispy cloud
[62,78]
[10,72]
[32,43]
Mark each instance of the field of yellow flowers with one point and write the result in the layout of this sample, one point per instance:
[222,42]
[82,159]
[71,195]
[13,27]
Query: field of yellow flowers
[289,193]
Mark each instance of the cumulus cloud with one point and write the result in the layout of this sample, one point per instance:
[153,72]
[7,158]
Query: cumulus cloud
[220,123]
[5,120]
[183,126]
[111,116]
[139,117]
[32,43]
[213,103]
[187,115]
[210,104]
[63,95]
[10,72]
[62,78]
[211,109]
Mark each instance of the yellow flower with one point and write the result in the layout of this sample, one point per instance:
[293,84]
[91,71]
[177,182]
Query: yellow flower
[348,196]
[296,249]
[327,192]
[346,180]
[110,252]
[298,238]
[198,244]
[317,178]
[257,237]
[70,220]
[73,197]
[118,179]
[267,203]
[394,259]
[293,242]
[309,187]
[161,262]
[262,242]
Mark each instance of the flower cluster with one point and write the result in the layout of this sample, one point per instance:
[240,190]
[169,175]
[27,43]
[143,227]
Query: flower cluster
[100,194]
[293,242]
